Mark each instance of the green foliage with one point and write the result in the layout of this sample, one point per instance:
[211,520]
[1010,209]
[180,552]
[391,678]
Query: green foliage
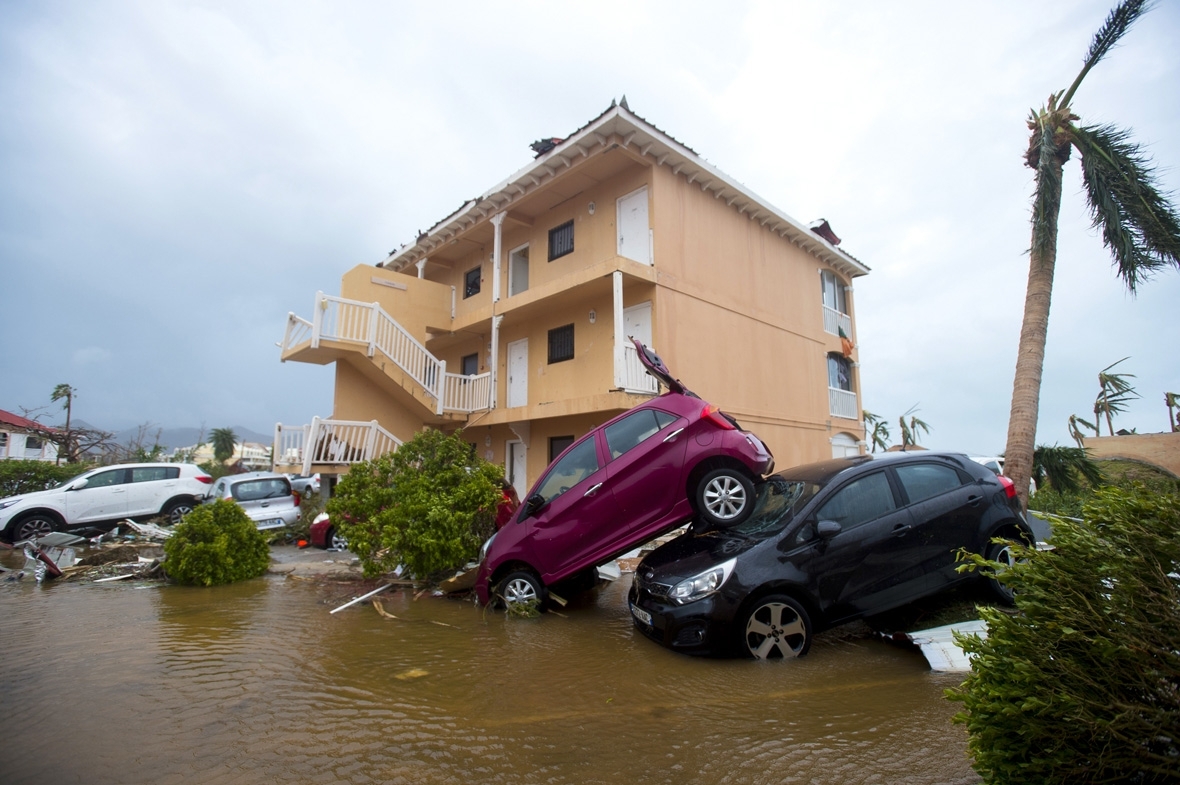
[1068,504]
[216,543]
[224,441]
[427,506]
[1082,684]
[1067,469]
[215,469]
[17,477]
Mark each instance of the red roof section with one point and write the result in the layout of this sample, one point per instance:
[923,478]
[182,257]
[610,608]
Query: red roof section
[16,421]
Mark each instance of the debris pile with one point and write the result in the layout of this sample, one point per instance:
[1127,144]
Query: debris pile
[130,550]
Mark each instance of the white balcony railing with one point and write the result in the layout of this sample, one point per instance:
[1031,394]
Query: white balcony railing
[834,321]
[842,403]
[368,325]
[634,377]
[331,442]
[467,393]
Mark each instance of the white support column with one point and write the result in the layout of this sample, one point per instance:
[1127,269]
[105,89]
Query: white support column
[421,265]
[492,394]
[497,246]
[317,319]
[620,338]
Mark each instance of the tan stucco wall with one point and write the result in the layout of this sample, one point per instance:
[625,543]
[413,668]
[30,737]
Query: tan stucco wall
[1158,449]
[736,310]
[416,304]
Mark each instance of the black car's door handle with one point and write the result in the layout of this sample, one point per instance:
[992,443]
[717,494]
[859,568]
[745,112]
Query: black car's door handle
[974,499]
[901,530]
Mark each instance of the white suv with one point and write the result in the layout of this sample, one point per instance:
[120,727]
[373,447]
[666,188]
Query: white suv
[106,494]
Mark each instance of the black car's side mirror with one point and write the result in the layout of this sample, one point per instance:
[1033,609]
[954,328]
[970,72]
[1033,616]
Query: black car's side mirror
[532,504]
[828,529]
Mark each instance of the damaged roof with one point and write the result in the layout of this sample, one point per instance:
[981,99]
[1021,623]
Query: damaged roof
[618,126]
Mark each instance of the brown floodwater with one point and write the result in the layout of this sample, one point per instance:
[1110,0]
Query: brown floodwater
[257,683]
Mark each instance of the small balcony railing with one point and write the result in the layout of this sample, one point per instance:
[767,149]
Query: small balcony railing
[834,321]
[842,403]
[331,442]
[633,377]
[368,325]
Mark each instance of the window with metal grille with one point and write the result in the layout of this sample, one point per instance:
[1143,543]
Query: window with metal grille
[561,344]
[471,283]
[561,240]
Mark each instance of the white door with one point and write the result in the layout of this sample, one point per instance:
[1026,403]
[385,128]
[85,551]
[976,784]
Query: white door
[517,468]
[518,373]
[518,270]
[637,322]
[634,233]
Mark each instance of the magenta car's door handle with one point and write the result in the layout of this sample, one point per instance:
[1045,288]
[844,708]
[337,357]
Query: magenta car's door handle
[673,435]
[592,490]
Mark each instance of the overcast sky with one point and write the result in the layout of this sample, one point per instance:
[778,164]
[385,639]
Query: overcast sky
[175,177]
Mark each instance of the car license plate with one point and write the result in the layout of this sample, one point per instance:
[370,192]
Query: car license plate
[641,614]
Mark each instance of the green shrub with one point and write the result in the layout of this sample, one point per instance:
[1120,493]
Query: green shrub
[214,544]
[1082,684]
[427,506]
[17,477]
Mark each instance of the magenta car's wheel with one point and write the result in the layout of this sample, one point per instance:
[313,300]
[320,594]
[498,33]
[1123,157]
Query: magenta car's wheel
[725,497]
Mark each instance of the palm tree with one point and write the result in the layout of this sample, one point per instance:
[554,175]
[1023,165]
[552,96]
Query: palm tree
[909,432]
[879,435]
[1076,432]
[67,392]
[224,441]
[1139,225]
[1065,468]
[1172,401]
[1114,393]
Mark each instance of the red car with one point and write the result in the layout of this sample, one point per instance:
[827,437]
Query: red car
[626,482]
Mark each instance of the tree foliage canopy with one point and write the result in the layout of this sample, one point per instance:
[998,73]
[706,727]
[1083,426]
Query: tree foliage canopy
[1082,684]
[216,543]
[428,506]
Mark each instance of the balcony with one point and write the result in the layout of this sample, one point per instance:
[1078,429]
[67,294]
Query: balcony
[842,403]
[367,329]
[834,321]
[329,445]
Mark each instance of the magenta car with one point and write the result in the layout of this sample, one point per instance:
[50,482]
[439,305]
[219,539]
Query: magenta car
[626,482]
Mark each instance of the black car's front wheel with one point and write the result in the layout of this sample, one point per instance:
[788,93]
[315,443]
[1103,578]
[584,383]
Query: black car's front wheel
[777,627]
[725,497]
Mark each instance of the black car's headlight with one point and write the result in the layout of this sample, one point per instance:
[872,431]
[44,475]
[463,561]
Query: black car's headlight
[700,586]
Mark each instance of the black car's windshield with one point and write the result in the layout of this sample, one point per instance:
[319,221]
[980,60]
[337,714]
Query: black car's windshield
[779,499]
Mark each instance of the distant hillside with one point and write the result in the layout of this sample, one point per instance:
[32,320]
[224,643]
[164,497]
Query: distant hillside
[171,438]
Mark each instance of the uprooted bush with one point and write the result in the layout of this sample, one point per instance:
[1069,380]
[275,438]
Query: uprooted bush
[214,544]
[428,506]
[1082,683]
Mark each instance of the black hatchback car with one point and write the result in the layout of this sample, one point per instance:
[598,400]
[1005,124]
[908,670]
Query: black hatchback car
[826,543]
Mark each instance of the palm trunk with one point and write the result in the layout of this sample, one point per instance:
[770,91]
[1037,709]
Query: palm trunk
[1030,357]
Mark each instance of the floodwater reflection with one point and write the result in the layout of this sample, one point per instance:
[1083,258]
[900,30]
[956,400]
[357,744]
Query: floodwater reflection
[257,683]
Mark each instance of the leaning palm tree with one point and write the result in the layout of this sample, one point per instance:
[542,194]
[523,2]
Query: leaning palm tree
[910,431]
[1139,225]
[67,392]
[1115,392]
[224,441]
[876,430]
